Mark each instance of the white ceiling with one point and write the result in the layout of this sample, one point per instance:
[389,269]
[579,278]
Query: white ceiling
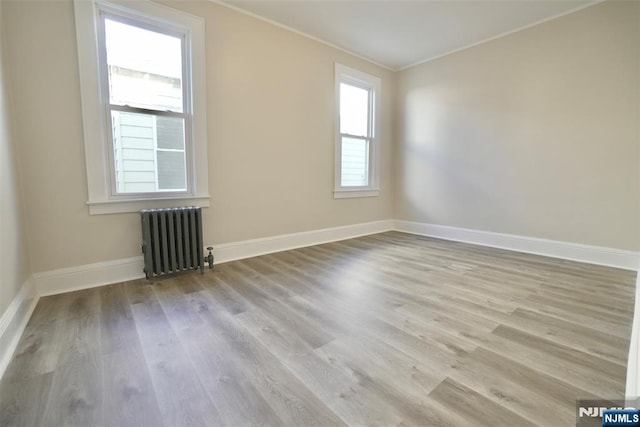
[399,33]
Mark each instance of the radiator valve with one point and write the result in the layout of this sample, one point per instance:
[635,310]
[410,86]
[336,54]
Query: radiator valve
[210,257]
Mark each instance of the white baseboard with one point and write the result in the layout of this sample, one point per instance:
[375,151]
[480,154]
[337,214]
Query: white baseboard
[249,248]
[628,260]
[104,273]
[88,276]
[14,320]
[633,364]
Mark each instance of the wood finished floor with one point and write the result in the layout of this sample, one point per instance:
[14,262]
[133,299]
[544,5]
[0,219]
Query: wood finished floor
[389,329]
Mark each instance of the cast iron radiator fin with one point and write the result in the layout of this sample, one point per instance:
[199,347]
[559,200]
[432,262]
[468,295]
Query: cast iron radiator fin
[172,240]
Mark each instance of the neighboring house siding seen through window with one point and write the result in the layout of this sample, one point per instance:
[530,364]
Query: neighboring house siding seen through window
[149,153]
[357,108]
[141,105]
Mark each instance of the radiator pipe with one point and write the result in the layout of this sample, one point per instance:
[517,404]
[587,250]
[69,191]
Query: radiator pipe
[210,257]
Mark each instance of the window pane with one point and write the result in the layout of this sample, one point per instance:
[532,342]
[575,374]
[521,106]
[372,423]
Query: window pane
[148,153]
[171,171]
[354,110]
[145,67]
[355,162]
[170,132]
[133,150]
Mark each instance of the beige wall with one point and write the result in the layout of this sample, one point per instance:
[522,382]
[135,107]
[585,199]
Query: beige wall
[14,259]
[534,134]
[270,120]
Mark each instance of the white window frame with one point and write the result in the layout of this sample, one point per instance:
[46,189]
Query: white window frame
[102,195]
[353,77]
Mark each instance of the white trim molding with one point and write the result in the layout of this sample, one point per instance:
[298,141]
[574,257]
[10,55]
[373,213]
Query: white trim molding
[301,33]
[249,248]
[88,276]
[633,364]
[599,255]
[136,205]
[14,320]
[350,194]
[498,36]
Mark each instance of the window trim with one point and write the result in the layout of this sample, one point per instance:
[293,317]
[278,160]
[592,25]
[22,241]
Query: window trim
[102,197]
[353,77]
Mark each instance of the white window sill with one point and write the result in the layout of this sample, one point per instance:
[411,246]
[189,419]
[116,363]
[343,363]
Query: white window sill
[135,205]
[348,194]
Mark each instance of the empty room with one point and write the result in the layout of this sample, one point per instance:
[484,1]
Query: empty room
[330,213]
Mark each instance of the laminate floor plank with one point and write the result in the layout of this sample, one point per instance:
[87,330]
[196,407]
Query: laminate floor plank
[231,301]
[389,329]
[37,352]
[477,409]
[179,393]
[262,282]
[582,318]
[403,396]
[309,332]
[237,400]
[226,387]
[467,331]
[182,399]
[408,348]
[454,283]
[450,345]
[290,399]
[129,397]
[572,335]
[346,398]
[24,403]
[346,286]
[118,330]
[151,322]
[50,308]
[532,394]
[80,338]
[385,363]
[596,376]
[580,308]
[286,275]
[176,306]
[242,286]
[76,397]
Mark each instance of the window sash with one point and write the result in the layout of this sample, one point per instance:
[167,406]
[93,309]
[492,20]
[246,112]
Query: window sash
[148,152]
[368,160]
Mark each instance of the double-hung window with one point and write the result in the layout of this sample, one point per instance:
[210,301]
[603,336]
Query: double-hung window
[358,100]
[147,104]
[142,78]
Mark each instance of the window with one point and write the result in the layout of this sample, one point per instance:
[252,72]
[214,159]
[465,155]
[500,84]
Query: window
[358,100]
[147,104]
[142,83]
